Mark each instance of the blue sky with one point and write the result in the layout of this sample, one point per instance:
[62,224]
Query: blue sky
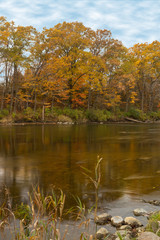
[130,21]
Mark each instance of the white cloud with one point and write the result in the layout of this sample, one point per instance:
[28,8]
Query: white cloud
[130,21]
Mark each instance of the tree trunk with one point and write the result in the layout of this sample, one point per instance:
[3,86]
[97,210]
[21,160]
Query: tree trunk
[15,78]
[43,111]
[89,98]
[2,98]
[70,93]
[127,102]
[142,98]
[35,102]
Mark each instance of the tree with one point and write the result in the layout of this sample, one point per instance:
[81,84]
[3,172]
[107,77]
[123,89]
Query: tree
[69,43]
[15,41]
[147,74]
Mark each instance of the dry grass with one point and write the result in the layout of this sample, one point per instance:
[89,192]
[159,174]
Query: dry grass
[41,219]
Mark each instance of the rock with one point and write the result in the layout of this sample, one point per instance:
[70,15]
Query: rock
[110,236]
[116,221]
[140,229]
[148,236]
[103,218]
[140,212]
[101,233]
[125,227]
[133,222]
[121,233]
[154,202]
[124,234]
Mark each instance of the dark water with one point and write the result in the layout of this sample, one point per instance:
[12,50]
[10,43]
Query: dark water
[53,155]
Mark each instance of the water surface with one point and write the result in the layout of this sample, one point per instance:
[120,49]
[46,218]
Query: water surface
[53,155]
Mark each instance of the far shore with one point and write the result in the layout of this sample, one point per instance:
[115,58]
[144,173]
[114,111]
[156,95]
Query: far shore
[76,123]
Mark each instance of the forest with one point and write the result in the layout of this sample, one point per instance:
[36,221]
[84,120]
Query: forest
[70,66]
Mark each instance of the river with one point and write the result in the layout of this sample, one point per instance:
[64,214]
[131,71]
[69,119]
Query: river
[48,155]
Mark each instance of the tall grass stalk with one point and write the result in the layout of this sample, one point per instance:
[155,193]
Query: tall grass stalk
[95,180]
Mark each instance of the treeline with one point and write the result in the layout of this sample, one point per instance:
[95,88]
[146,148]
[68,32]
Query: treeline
[73,66]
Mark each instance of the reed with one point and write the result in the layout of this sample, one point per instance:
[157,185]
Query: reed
[42,217]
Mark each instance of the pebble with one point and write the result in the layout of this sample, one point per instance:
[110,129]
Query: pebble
[101,233]
[148,236]
[103,218]
[116,221]
[140,212]
[133,222]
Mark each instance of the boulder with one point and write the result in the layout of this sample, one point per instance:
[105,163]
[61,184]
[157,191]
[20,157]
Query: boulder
[148,236]
[103,218]
[101,233]
[140,229]
[125,234]
[133,222]
[125,227]
[140,212]
[116,221]
[122,233]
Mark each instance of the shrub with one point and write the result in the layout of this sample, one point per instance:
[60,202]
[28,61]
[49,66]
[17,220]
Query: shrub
[98,115]
[1,115]
[30,116]
[154,115]
[5,112]
[63,118]
[75,114]
[137,114]
[38,114]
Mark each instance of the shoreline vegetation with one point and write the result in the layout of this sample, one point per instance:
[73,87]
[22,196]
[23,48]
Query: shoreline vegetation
[75,116]
[43,215]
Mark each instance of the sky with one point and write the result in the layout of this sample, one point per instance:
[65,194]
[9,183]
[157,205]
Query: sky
[130,21]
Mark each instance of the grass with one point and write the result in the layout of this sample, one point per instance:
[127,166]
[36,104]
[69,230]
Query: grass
[42,217]
[154,223]
[95,181]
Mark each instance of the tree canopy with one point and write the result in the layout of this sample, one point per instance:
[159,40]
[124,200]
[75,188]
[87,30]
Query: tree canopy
[71,65]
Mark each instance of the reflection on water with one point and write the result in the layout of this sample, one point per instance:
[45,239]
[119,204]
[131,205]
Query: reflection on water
[52,154]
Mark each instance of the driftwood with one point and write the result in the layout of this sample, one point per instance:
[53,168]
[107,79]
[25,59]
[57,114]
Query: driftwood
[132,120]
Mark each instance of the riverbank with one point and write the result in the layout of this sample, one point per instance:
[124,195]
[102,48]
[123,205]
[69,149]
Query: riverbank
[76,116]
[43,217]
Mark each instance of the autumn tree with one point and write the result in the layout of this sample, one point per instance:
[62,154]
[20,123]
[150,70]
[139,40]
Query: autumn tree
[15,41]
[147,74]
[69,42]
[114,57]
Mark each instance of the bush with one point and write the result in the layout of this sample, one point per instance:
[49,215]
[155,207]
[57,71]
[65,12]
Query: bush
[75,114]
[28,115]
[4,113]
[37,115]
[98,115]
[63,118]
[137,114]
[50,114]
[154,115]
